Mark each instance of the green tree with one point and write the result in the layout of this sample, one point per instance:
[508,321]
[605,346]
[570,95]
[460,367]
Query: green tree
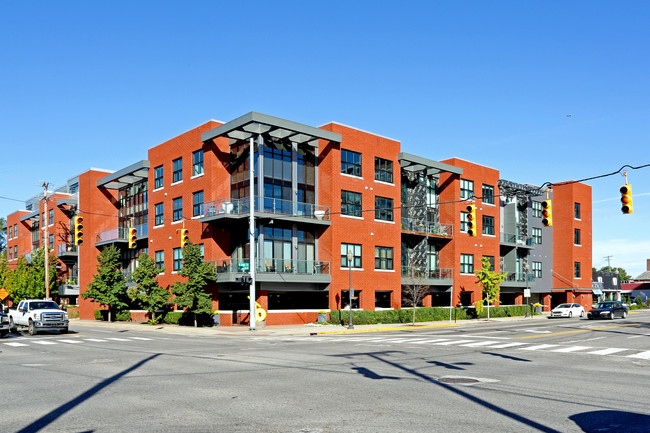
[147,292]
[191,294]
[27,280]
[414,288]
[108,287]
[38,268]
[622,274]
[3,235]
[490,281]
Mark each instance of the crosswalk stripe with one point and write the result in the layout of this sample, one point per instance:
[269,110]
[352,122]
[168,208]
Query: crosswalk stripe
[97,340]
[141,338]
[571,349]
[539,347]
[503,346]
[15,344]
[480,343]
[641,355]
[608,351]
[70,341]
[117,339]
[43,342]
[430,341]
[447,343]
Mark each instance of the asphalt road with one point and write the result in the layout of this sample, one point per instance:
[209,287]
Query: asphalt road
[565,375]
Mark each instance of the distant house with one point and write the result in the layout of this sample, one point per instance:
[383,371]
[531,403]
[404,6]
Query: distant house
[639,286]
[606,285]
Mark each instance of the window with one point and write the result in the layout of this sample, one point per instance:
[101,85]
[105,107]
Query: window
[466,188]
[177,205]
[491,259]
[43,219]
[11,230]
[350,162]
[537,235]
[11,254]
[158,177]
[356,251]
[50,240]
[197,162]
[537,209]
[15,251]
[202,248]
[576,211]
[466,263]
[197,203]
[15,230]
[488,225]
[50,217]
[488,194]
[383,258]
[160,259]
[383,208]
[177,170]
[463,221]
[576,237]
[383,170]
[351,203]
[74,188]
[178,259]
[576,269]
[159,212]
[537,269]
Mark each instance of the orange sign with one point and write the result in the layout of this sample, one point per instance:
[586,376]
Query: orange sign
[3,293]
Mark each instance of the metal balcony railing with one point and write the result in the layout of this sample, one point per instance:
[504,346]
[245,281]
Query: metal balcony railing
[66,248]
[509,238]
[273,265]
[267,205]
[427,274]
[118,233]
[439,229]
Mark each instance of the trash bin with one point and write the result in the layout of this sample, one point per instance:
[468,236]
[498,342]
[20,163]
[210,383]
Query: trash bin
[538,310]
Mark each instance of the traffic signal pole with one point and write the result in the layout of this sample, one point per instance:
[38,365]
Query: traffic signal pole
[251,230]
[46,252]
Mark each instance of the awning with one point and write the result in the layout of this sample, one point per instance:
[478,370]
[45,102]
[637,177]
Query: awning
[597,291]
[415,163]
[127,176]
[32,216]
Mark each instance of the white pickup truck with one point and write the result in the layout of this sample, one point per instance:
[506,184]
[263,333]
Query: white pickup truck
[38,315]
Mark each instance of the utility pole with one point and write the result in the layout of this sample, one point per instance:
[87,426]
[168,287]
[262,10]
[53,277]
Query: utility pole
[608,258]
[46,252]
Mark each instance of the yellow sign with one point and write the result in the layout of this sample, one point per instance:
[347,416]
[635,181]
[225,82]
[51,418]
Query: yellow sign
[3,294]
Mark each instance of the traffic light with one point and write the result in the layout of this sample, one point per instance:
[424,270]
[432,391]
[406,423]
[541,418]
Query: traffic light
[78,230]
[626,198]
[547,213]
[472,227]
[133,237]
[185,237]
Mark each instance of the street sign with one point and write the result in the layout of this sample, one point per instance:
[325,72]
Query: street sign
[526,293]
[3,294]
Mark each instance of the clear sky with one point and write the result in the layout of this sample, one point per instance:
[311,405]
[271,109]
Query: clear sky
[544,91]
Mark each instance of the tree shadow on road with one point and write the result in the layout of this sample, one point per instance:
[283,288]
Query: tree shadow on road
[611,421]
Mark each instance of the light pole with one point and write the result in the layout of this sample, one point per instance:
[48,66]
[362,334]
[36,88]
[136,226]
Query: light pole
[527,289]
[350,258]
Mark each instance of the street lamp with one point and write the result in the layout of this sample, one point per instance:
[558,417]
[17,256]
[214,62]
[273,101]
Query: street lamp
[350,291]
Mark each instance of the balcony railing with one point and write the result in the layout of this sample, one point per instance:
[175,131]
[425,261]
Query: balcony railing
[118,233]
[439,229]
[508,238]
[427,274]
[276,266]
[66,248]
[515,277]
[227,206]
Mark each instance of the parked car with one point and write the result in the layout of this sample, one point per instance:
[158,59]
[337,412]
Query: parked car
[567,310]
[608,310]
[4,322]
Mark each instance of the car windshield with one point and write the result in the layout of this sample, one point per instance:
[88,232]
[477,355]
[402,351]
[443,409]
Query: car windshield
[43,305]
[606,305]
[564,306]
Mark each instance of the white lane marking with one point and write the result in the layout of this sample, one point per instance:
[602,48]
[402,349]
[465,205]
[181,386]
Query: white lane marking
[608,351]
[535,331]
[447,343]
[641,355]
[117,339]
[480,343]
[539,347]
[97,340]
[141,338]
[503,346]
[637,336]
[70,341]
[43,342]
[15,344]
[572,349]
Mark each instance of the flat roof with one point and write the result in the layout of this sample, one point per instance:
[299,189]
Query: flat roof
[416,163]
[257,123]
[126,176]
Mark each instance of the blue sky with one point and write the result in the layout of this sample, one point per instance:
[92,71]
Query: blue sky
[95,84]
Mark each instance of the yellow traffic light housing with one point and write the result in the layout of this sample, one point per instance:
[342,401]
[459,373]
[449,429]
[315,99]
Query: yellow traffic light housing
[626,198]
[185,237]
[472,227]
[78,230]
[133,238]
[547,213]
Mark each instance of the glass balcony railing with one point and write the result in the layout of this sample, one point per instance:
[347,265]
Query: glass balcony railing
[267,205]
[509,238]
[515,277]
[427,274]
[275,265]
[439,229]
[118,233]
[66,248]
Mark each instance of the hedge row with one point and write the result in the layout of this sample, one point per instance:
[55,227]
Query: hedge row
[425,314]
[170,317]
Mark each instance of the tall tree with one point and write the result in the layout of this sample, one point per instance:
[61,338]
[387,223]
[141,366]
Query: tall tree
[147,291]
[108,287]
[414,288]
[191,294]
[490,281]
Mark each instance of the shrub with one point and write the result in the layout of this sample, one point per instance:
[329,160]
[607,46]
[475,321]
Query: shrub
[185,318]
[123,316]
[101,314]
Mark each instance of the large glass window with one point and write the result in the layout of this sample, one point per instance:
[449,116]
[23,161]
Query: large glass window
[177,205]
[488,225]
[178,259]
[537,235]
[537,209]
[160,259]
[134,206]
[160,214]
[356,252]
[351,203]
[466,188]
[197,162]
[350,162]
[177,170]
[383,170]
[466,263]
[197,203]
[384,208]
[537,269]
[158,177]
[488,194]
[277,178]
[383,258]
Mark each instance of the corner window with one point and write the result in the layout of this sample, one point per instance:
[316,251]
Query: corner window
[488,194]
[350,162]
[158,174]
[488,225]
[355,249]
[177,204]
[383,170]
[466,263]
[351,203]
[159,213]
[383,258]
[177,167]
[197,162]
[384,208]
[466,188]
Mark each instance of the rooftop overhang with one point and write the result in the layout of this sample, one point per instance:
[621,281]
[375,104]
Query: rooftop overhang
[417,164]
[30,217]
[68,201]
[253,124]
[130,175]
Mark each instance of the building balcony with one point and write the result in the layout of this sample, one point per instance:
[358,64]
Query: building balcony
[120,235]
[67,252]
[515,279]
[69,287]
[427,277]
[511,240]
[274,270]
[271,208]
[419,228]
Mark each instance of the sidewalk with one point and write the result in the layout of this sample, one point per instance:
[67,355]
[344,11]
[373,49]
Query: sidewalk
[286,330]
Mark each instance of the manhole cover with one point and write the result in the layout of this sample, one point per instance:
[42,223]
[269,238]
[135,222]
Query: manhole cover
[457,380]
